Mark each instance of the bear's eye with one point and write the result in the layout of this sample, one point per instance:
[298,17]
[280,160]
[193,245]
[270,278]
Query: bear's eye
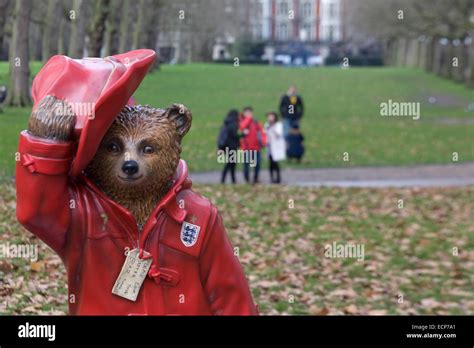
[148,149]
[113,148]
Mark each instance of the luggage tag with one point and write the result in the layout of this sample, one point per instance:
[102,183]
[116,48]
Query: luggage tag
[132,275]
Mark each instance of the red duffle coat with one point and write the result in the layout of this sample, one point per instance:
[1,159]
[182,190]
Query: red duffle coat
[91,233]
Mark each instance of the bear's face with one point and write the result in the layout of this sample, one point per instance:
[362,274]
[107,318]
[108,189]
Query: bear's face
[140,152]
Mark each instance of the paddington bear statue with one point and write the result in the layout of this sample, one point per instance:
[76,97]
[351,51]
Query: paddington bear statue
[102,184]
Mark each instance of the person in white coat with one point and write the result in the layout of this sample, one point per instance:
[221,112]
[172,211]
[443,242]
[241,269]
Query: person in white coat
[276,145]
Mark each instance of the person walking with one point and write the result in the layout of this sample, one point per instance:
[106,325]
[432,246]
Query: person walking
[276,147]
[229,141]
[254,138]
[291,109]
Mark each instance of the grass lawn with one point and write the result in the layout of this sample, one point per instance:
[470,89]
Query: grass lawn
[342,112]
[409,267]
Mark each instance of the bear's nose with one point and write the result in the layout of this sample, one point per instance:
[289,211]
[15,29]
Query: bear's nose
[130,167]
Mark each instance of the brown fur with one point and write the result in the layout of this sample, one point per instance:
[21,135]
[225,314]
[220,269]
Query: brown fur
[134,128]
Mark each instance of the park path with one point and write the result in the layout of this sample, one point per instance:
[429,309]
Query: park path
[461,174]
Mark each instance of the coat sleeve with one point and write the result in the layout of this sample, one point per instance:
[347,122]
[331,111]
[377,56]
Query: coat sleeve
[279,130]
[43,197]
[284,106]
[223,278]
[299,108]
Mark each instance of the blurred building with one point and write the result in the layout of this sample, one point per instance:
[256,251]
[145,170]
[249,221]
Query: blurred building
[298,29]
[297,20]
[295,29]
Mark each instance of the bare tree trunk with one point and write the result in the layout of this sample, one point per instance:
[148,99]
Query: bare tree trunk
[19,57]
[388,55]
[78,29]
[61,46]
[413,47]
[36,33]
[139,25]
[447,63]
[437,58]
[422,59]
[50,36]
[393,52]
[470,74]
[386,51]
[401,52]
[465,59]
[431,63]
[97,28]
[458,69]
[37,27]
[3,18]
[124,27]
[151,30]
[110,41]
[429,55]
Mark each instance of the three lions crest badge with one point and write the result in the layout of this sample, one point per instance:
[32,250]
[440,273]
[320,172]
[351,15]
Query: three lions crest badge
[189,234]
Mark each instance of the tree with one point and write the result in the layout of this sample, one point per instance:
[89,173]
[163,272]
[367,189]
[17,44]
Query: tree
[78,17]
[139,24]
[111,39]
[470,48]
[97,27]
[38,14]
[50,31]
[434,29]
[61,45]
[150,32]
[195,26]
[124,26]
[3,18]
[19,56]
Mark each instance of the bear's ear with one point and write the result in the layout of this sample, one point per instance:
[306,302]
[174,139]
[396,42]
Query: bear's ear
[181,117]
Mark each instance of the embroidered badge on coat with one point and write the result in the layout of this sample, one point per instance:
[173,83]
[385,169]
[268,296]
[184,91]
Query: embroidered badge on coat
[189,234]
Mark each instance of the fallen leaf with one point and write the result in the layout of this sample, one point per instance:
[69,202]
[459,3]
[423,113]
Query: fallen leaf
[351,309]
[37,266]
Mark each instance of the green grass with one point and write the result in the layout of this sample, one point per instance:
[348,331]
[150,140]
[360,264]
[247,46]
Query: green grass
[342,112]
[407,251]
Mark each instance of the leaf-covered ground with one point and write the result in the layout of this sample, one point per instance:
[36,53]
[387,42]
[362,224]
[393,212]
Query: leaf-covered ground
[418,259]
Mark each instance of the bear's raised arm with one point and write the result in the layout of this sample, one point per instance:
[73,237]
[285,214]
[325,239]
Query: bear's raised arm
[43,163]
[223,278]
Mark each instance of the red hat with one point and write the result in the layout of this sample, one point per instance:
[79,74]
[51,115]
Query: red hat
[96,89]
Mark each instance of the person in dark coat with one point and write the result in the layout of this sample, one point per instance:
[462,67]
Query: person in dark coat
[291,109]
[3,94]
[229,139]
[295,143]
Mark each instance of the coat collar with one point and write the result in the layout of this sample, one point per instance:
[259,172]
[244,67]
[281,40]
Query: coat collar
[167,203]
